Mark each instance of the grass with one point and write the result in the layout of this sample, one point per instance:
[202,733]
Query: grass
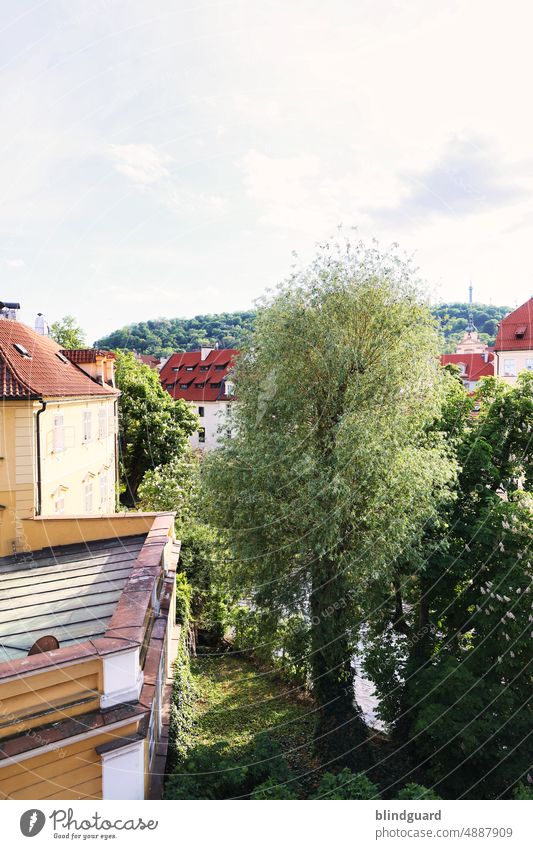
[236,701]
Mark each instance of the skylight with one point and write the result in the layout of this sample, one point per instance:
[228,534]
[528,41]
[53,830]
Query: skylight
[22,350]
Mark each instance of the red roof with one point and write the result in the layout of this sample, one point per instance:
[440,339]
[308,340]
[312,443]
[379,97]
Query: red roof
[86,355]
[43,371]
[188,369]
[148,360]
[515,332]
[475,364]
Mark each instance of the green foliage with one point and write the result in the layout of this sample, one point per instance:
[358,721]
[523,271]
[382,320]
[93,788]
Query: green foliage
[171,487]
[282,642]
[453,320]
[183,693]
[270,789]
[346,785]
[163,336]
[451,655]
[153,428]
[67,333]
[211,772]
[416,791]
[332,470]
[521,791]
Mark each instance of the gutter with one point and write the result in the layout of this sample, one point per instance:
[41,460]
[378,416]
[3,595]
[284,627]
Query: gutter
[39,472]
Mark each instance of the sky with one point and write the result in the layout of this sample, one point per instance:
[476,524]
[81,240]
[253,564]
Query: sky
[175,157]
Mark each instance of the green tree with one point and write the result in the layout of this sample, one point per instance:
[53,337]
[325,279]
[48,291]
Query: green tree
[67,333]
[153,428]
[451,656]
[330,472]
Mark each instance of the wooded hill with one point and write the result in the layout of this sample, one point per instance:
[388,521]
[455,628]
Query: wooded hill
[162,336]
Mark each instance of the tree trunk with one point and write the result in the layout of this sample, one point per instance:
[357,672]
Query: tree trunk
[340,733]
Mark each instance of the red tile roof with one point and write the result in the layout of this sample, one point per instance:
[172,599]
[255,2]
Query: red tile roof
[43,373]
[148,360]
[475,364]
[515,332]
[86,355]
[174,374]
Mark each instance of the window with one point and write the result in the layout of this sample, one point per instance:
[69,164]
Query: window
[201,412]
[22,351]
[204,368]
[201,434]
[462,368]
[184,385]
[228,409]
[189,368]
[102,423]
[529,364]
[87,425]
[103,490]
[88,496]
[59,503]
[509,368]
[199,385]
[58,434]
[220,368]
[214,385]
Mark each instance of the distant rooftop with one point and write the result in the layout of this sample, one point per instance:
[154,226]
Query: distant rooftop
[70,592]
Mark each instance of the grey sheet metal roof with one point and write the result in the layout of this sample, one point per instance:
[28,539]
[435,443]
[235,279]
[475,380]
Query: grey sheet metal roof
[70,592]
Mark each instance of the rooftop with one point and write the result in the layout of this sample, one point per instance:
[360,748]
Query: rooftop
[515,332]
[70,592]
[33,366]
[186,375]
[476,366]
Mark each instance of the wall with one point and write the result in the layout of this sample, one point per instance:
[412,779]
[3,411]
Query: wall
[71,771]
[70,467]
[520,358]
[215,416]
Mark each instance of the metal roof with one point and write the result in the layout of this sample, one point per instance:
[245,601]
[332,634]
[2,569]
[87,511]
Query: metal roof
[70,592]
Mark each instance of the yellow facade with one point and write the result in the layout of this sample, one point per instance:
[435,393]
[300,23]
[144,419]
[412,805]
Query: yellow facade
[75,439]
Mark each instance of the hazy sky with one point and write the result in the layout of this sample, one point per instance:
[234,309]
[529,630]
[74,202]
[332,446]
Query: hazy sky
[165,158]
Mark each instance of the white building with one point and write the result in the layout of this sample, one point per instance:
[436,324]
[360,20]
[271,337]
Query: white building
[513,349]
[202,378]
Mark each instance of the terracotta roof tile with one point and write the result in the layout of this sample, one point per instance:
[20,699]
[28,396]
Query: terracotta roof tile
[515,332]
[214,369]
[475,364]
[86,355]
[45,372]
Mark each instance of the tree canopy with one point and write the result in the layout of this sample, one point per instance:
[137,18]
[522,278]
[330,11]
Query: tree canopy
[67,333]
[153,428]
[331,471]
[231,330]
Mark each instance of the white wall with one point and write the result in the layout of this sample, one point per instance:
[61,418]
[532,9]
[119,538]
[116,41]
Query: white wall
[522,359]
[215,417]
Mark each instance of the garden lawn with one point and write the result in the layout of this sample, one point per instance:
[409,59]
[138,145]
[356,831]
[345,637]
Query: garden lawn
[236,701]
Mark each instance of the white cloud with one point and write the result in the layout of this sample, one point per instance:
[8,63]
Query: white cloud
[15,263]
[143,164]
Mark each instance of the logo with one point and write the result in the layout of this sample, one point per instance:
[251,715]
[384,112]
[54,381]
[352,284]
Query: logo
[32,822]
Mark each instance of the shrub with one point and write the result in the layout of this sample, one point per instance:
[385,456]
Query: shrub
[270,789]
[346,785]
[416,791]
[521,791]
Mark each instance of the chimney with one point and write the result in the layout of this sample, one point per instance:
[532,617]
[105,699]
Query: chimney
[41,325]
[9,309]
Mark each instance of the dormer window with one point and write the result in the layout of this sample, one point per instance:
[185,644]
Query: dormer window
[22,351]
[520,331]
[462,368]
[189,368]
[204,368]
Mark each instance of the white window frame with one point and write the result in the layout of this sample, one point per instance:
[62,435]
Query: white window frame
[58,434]
[529,364]
[102,423]
[88,496]
[103,489]
[509,367]
[87,426]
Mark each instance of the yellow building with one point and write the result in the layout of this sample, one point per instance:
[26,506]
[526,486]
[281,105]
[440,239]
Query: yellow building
[87,640]
[513,349]
[88,627]
[58,415]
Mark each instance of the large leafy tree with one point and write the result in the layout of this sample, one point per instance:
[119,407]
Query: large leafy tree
[332,470]
[153,428]
[67,333]
[450,650]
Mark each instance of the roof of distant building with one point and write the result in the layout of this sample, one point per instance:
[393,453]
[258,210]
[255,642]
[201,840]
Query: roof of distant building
[515,332]
[87,355]
[186,375]
[33,366]
[475,365]
[148,359]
